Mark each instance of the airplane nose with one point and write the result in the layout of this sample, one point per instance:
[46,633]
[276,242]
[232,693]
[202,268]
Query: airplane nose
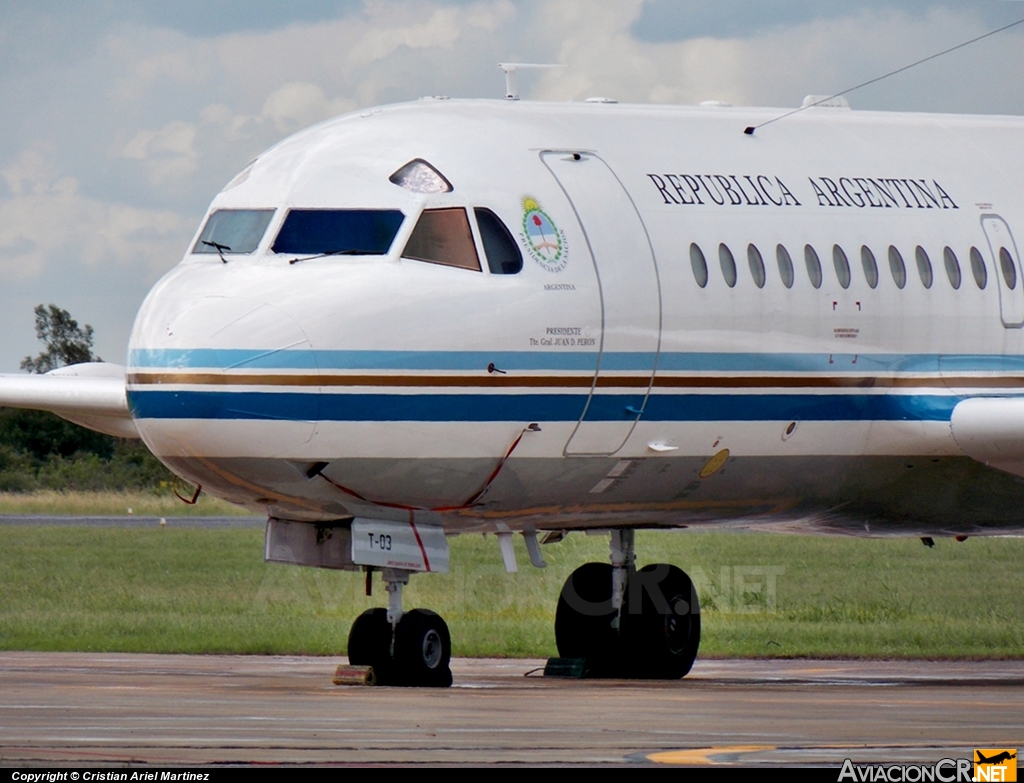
[240,331]
[226,364]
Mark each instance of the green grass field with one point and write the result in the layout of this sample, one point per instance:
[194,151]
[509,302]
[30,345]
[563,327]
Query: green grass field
[108,503]
[208,591]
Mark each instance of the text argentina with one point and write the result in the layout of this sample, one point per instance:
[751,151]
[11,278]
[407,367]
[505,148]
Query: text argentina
[881,192]
[721,189]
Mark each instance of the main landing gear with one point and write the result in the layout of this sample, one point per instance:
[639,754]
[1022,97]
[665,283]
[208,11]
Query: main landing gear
[404,648]
[627,623]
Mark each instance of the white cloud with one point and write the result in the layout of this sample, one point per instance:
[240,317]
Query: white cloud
[47,223]
[150,59]
[168,153]
[298,104]
[108,158]
[35,172]
[378,41]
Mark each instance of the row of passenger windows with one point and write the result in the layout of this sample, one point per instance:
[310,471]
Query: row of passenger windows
[842,266]
[441,236]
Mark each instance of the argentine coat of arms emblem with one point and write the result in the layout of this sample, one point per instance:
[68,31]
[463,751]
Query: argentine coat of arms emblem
[544,241]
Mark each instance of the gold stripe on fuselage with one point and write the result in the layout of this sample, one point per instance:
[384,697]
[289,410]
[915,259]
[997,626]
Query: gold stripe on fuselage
[604,381]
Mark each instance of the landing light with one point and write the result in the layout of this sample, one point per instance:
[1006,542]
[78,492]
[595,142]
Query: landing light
[420,177]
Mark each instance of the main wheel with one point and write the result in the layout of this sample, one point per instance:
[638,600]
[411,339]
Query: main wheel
[660,623]
[584,620]
[423,650]
[369,644]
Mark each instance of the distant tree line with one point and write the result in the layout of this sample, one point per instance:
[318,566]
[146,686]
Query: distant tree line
[39,450]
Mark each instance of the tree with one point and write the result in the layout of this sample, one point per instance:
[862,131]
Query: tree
[40,450]
[40,433]
[66,342]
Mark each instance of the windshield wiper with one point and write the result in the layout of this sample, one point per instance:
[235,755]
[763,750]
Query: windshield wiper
[353,251]
[219,248]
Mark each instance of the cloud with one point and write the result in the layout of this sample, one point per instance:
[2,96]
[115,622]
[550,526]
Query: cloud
[295,105]
[47,222]
[168,152]
[123,119]
[778,64]
[35,172]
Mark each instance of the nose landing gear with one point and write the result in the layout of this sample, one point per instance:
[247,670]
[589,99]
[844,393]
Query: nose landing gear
[423,650]
[404,648]
[627,623]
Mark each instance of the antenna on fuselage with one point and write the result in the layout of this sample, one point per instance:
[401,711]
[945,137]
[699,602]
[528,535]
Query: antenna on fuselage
[749,130]
[511,87]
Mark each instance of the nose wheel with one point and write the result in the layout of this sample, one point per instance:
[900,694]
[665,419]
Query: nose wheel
[404,648]
[423,650]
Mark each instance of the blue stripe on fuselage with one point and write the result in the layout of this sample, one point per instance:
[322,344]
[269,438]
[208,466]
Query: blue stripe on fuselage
[234,358]
[299,406]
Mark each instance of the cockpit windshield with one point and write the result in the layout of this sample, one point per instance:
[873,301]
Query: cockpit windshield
[338,231]
[233,231]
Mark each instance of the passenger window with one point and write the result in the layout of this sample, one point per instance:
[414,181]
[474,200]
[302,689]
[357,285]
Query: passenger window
[978,268]
[867,260]
[233,231]
[924,266]
[813,265]
[756,264]
[699,265]
[443,236]
[897,267]
[352,232]
[785,265]
[842,265]
[503,255]
[1009,268]
[728,264]
[952,267]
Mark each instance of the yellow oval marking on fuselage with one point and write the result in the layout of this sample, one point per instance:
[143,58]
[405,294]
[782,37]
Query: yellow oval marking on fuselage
[714,464]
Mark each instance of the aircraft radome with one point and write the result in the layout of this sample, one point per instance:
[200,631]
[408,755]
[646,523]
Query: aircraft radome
[467,316]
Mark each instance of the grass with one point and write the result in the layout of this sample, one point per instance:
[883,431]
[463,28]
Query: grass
[109,503]
[208,591]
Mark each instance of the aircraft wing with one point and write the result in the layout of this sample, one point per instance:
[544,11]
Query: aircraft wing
[91,395]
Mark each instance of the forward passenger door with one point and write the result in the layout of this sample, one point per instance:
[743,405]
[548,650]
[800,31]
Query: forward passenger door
[627,276]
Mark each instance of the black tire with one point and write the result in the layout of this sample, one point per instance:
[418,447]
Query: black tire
[660,623]
[369,644]
[584,620]
[423,650]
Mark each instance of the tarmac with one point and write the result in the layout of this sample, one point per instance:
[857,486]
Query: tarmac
[102,710]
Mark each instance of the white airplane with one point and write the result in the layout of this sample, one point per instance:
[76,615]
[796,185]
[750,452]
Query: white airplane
[451,317]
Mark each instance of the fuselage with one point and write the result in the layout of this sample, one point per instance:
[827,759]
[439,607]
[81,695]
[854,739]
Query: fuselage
[705,326]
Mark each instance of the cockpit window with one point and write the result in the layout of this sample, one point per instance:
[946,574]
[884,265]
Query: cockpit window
[233,231]
[503,256]
[443,236]
[363,232]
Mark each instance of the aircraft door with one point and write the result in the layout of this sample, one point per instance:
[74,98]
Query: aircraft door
[627,277]
[1006,262]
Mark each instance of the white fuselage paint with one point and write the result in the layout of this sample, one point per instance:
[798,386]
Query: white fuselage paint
[244,375]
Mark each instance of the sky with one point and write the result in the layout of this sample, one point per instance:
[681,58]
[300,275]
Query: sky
[121,119]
